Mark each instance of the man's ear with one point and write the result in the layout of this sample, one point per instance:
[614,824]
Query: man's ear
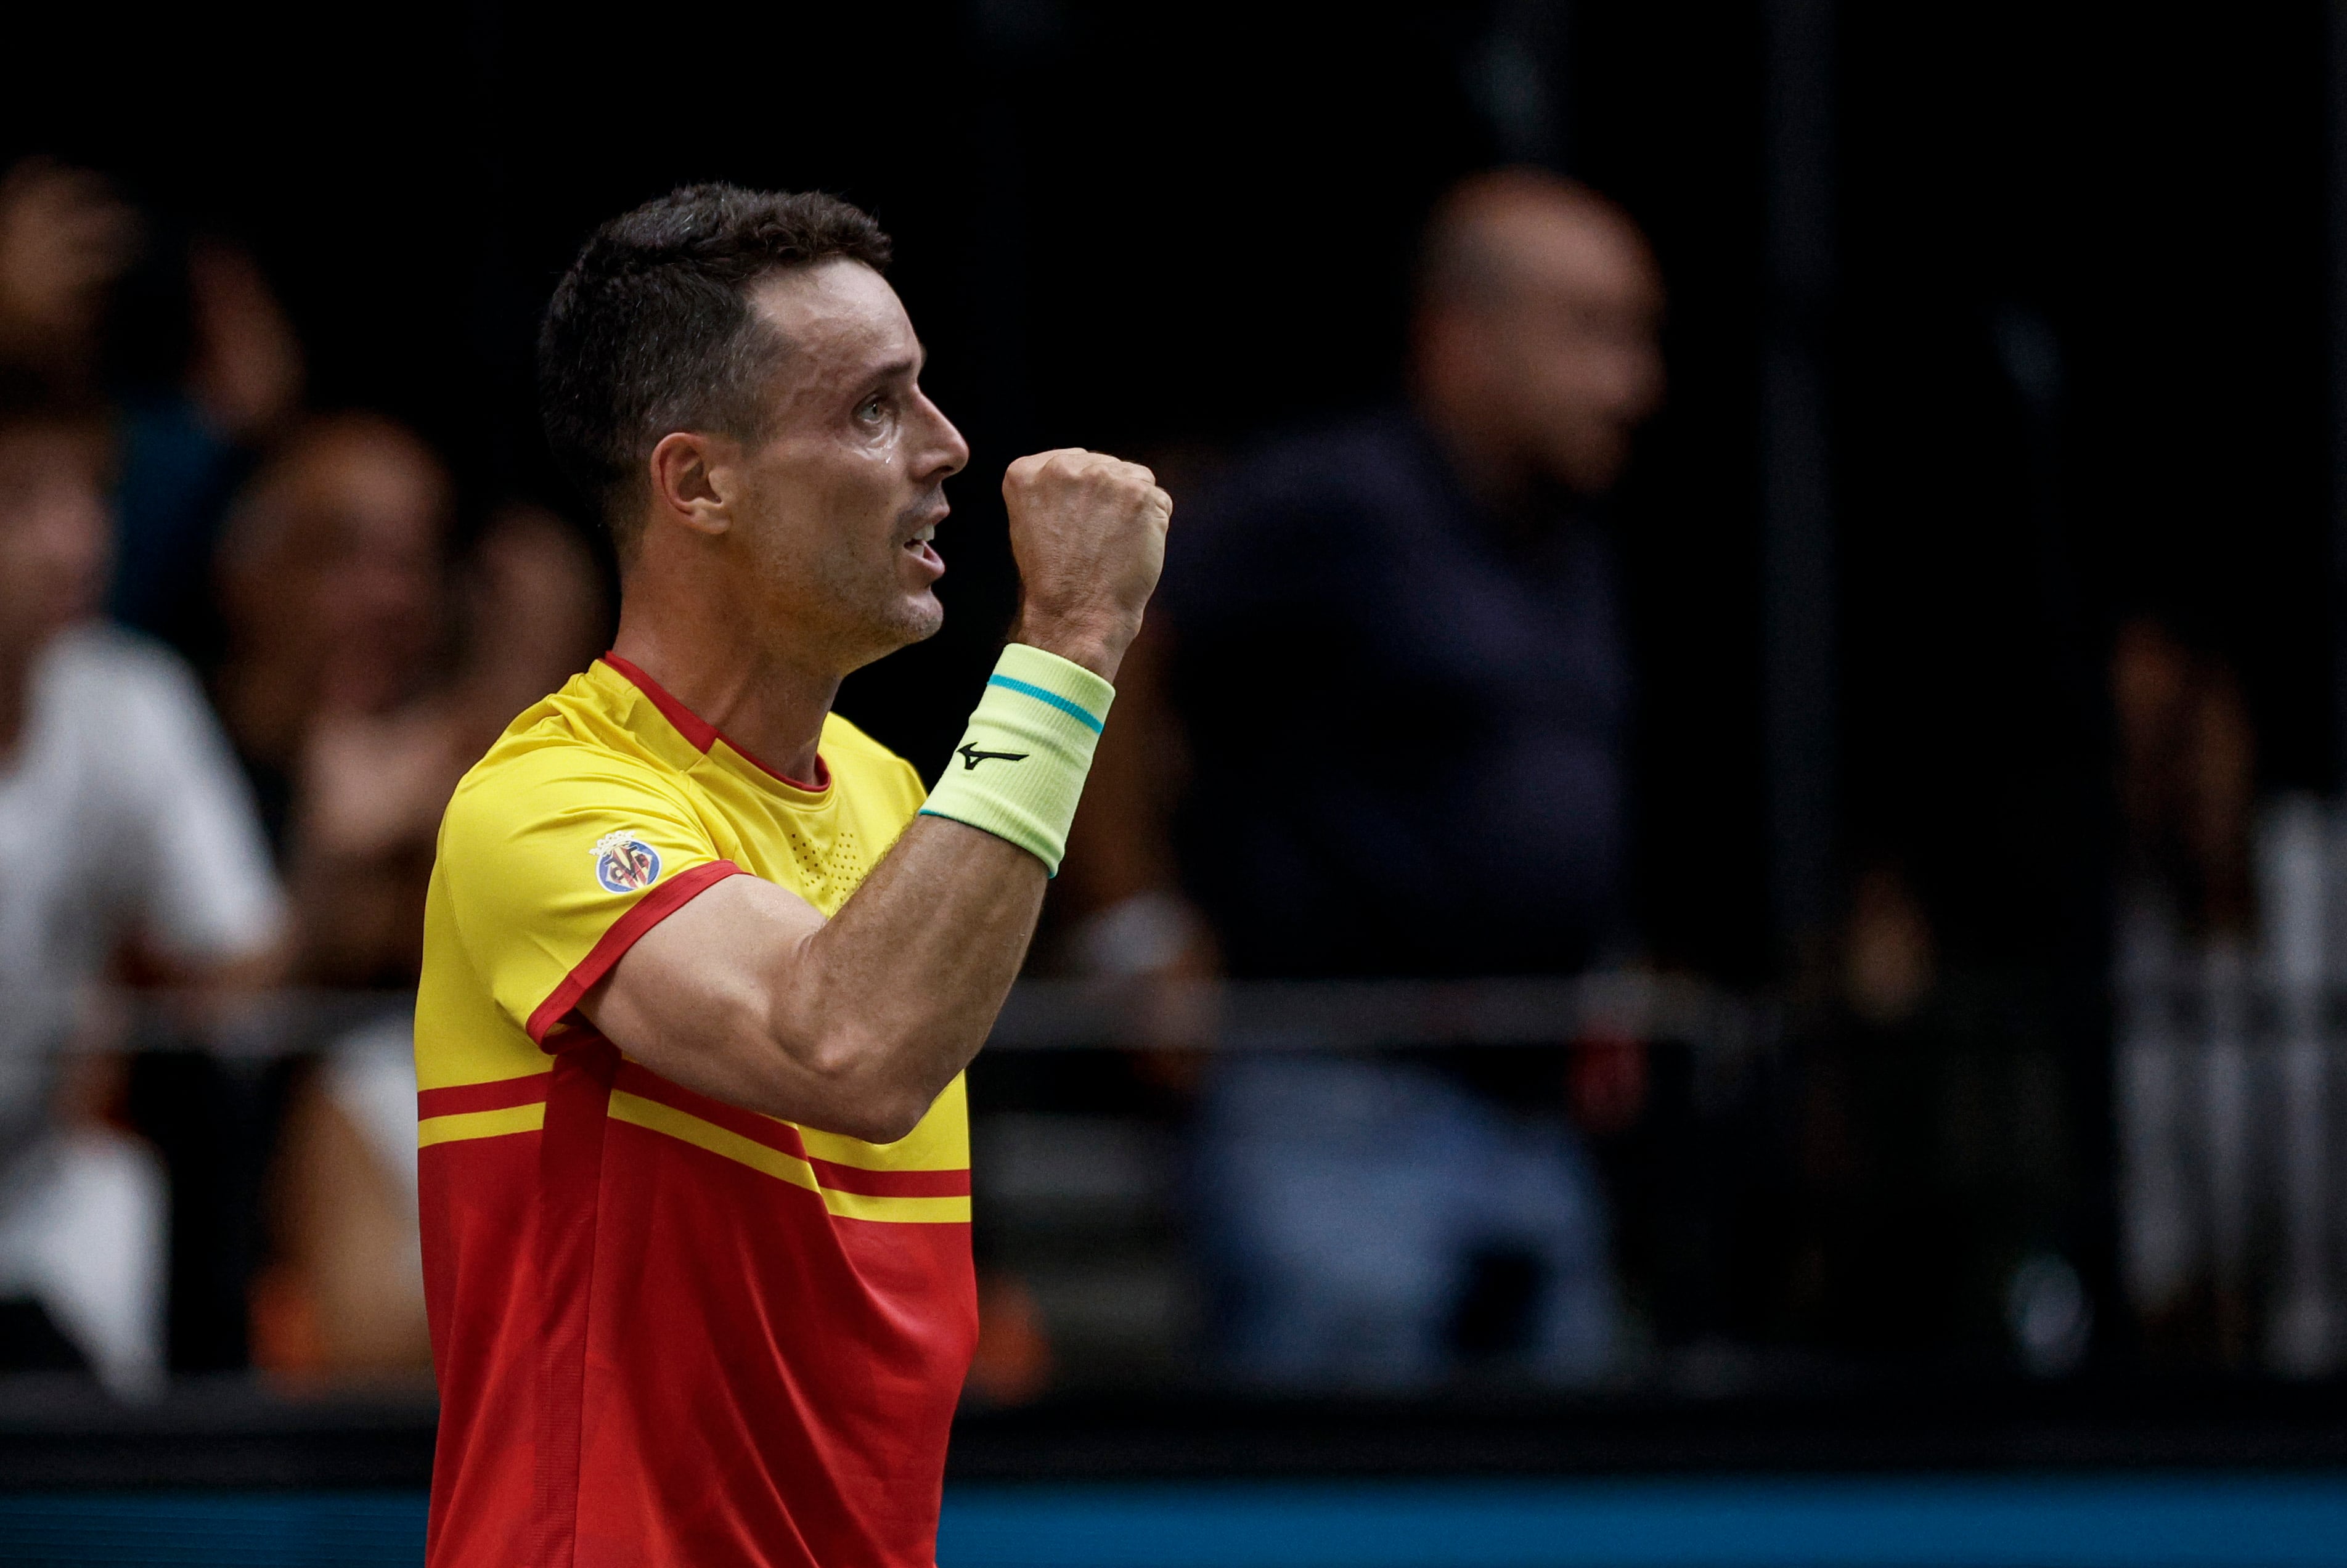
[690,479]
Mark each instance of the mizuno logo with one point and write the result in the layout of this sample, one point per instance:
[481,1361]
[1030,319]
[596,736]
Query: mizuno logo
[971,756]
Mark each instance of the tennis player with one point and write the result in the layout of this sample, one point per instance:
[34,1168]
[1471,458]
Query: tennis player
[703,967]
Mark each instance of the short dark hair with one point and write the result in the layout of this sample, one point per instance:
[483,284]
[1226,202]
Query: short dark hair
[651,330]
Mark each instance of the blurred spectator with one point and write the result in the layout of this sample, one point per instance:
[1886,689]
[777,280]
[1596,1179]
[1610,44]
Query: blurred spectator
[66,241]
[362,677]
[140,853]
[341,1294]
[187,364]
[333,586]
[2186,787]
[1389,657]
[1938,1144]
[2185,914]
[1889,952]
[535,614]
[182,429]
[1934,1154]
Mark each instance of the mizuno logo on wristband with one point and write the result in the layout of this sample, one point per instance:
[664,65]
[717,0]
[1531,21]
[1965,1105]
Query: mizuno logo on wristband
[971,756]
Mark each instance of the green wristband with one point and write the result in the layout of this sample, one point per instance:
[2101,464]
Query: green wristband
[1019,769]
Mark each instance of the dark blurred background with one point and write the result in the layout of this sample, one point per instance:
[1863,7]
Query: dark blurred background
[1175,229]
[2003,383]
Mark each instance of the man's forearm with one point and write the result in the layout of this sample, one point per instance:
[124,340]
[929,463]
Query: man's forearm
[851,1025]
[898,991]
[855,1024]
[902,986]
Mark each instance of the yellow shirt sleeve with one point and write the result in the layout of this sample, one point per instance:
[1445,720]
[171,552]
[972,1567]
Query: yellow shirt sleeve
[555,862]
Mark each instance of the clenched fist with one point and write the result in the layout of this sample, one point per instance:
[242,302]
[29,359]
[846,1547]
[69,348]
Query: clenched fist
[1089,532]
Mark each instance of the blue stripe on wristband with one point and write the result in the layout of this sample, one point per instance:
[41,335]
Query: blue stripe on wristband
[1074,710]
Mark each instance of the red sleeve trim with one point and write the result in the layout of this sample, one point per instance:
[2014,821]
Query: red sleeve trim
[498,1094]
[664,899]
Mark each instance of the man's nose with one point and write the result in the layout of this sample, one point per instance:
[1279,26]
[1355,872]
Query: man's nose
[950,452]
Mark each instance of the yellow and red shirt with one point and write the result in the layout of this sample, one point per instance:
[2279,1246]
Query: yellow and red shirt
[667,1330]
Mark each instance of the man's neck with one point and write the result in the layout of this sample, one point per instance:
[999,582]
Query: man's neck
[1520,500]
[1490,468]
[267,703]
[763,702]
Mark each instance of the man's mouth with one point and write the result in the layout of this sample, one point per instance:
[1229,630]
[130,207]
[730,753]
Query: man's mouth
[924,537]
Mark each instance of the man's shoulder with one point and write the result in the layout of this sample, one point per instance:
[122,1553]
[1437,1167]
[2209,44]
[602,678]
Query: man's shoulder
[1350,482]
[129,709]
[556,756]
[1361,461]
[98,668]
[1337,497]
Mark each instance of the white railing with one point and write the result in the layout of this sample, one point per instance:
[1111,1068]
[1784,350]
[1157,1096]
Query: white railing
[2233,1214]
[2229,1076]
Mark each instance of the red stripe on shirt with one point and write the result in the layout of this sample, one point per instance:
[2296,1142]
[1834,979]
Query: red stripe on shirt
[664,899]
[892,1184]
[704,735]
[499,1094]
[781,1136]
[571,1175]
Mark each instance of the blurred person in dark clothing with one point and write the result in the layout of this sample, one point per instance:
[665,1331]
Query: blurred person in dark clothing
[336,591]
[2187,788]
[184,341]
[187,367]
[343,1296]
[139,855]
[366,665]
[66,241]
[2187,914]
[1389,657]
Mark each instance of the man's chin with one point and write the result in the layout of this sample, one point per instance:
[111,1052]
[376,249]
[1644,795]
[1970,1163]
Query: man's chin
[924,618]
[918,618]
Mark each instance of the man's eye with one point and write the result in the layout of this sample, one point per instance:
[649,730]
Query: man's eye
[870,409]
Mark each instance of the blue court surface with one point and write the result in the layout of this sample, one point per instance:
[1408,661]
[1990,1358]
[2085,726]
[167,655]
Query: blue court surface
[2056,1522]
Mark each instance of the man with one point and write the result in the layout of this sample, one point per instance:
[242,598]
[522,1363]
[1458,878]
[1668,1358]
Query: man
[333,582]
[1434,590]
[341,606]
[698,989]
[136,849]
[71,249]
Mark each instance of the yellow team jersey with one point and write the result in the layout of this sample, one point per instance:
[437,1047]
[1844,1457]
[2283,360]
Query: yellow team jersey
[666,1328]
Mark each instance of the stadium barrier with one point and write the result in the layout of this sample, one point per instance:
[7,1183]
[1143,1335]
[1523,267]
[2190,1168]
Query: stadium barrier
[2229,1103]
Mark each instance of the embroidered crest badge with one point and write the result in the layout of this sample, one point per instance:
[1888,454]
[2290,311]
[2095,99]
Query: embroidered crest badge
[626,864]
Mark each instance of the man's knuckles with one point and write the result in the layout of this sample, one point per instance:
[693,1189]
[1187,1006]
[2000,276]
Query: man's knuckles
[1086,481]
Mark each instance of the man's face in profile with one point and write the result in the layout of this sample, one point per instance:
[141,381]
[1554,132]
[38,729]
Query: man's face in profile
[1549,351]
[1578,343]
[848,483]
[352,581]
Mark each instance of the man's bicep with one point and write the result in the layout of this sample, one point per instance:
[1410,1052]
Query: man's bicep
[694,998]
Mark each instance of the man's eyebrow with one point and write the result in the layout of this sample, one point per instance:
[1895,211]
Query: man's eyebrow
[910,366]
